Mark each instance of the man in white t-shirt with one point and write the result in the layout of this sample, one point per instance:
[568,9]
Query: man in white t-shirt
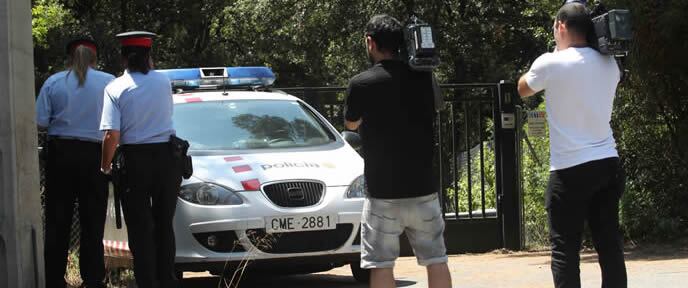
[586,180]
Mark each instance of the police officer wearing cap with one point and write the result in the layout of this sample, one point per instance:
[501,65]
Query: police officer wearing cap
[69,107]
[137,116]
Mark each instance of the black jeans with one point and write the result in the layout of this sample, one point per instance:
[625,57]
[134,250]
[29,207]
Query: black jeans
[589,191]
[73,174]
[149,201]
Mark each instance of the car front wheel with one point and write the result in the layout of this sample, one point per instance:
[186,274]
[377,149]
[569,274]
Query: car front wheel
[361,275]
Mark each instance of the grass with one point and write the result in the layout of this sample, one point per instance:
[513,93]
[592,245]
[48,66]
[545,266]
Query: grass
[233,281]
[116,277]
[122,277]
[73,278]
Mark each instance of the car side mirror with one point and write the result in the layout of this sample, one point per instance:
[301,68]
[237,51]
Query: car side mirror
[353,139]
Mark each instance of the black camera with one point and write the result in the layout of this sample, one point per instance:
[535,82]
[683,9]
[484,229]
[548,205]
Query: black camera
[419,48]
[612,28]
[613,31]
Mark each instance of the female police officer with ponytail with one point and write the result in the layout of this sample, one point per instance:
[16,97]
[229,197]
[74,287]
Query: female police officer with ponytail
[137,116]
[69,107]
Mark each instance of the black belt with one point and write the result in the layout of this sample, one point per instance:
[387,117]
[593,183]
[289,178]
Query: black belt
[144,147]
[73,139]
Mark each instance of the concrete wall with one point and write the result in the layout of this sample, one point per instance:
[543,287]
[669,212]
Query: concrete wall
[21,239]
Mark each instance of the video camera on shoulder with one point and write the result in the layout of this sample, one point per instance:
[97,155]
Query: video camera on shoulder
[419,48]
[613,28]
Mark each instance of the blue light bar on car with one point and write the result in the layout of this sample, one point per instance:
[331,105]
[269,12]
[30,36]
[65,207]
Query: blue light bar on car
[219,77]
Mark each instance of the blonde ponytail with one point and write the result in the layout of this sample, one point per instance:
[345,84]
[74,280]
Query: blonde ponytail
[81,59]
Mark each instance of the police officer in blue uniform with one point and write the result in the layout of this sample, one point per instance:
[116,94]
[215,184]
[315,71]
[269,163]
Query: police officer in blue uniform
[137,116]
[69,107]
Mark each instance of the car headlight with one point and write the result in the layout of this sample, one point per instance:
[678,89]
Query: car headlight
[209,194]
[357,189]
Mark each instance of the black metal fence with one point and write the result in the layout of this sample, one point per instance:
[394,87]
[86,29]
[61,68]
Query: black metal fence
[477,159]
[467,153]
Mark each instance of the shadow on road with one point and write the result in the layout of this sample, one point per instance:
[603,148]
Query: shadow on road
[293,281]
[654,253]
[648,252]
[641,254]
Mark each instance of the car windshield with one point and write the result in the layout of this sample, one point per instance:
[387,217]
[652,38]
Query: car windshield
[249,124]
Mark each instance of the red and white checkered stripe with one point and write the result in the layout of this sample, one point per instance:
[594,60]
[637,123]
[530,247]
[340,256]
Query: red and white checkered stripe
[251,183]
[242,168]
[193,99]
[187,98]
[118,249]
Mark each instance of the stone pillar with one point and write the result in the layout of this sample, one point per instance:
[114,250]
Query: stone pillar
[21,233]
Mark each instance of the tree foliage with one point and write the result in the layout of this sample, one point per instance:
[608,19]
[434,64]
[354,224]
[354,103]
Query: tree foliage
[320,43]
[651,121]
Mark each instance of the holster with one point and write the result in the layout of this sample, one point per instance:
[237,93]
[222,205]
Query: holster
[118,183]
[180,148]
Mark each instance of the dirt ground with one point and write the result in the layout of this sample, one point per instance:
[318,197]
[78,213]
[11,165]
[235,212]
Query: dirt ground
[650,266]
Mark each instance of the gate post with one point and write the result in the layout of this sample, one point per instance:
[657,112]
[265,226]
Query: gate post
[21,231]
[509,194]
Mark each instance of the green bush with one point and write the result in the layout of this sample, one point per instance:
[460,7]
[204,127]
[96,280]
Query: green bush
[476,183]
[535,173]
[653,206]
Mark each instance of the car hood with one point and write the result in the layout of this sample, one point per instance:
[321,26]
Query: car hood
[241,172]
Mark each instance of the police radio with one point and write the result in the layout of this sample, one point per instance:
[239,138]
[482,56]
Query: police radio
[419,48]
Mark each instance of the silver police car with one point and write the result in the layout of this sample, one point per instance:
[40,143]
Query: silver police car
[275,187]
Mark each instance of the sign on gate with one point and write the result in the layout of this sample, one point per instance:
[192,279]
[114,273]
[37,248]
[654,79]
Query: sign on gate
[536,123]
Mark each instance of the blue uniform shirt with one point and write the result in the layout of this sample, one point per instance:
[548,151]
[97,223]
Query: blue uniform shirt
[69,110]
[140,107]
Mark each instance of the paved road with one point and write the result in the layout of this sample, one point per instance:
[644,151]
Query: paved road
[663,267]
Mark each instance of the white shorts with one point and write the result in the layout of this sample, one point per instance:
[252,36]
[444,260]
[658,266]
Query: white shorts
[384,220]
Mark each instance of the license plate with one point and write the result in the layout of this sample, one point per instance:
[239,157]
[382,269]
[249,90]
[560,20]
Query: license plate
[300,223]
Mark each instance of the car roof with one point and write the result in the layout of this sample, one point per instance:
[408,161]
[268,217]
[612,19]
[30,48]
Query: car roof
[203,96]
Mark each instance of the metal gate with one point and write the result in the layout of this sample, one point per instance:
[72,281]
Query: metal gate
[477,159]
